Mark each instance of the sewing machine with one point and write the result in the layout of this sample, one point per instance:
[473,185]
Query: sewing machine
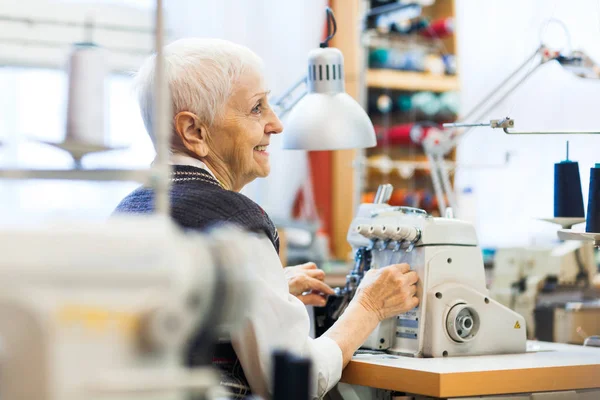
[456,315]
[527,276]
[105,311]
[411,356]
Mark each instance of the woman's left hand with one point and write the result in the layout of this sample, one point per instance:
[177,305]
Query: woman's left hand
[306,282]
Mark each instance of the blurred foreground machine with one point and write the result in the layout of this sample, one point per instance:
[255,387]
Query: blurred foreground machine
[105,311]
[552,287]
[456,315]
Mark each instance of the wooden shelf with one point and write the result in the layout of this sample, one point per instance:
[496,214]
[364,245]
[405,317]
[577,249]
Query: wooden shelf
[411,81]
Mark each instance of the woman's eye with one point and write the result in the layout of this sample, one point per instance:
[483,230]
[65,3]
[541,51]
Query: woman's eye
[257,109]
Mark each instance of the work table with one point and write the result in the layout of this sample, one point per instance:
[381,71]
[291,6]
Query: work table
[545,367]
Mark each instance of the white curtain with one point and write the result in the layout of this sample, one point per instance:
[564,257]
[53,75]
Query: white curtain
[282,33]
[494,37]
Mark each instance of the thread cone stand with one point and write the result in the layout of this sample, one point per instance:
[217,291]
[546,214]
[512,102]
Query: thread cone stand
[78,150]
[564,222]
[570,234]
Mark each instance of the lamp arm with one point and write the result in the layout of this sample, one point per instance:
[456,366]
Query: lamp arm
[439,173]
[281,105]
[475,110]
[503,84]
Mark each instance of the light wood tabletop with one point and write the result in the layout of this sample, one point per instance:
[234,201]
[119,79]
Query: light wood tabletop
[544,367]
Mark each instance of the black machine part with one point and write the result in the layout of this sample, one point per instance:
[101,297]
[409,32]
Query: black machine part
[291,380]
[326,316]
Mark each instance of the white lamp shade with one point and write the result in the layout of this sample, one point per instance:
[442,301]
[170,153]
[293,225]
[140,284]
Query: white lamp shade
[322,121]
[327,118]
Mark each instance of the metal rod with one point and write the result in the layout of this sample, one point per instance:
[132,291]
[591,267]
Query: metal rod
[567,150]
[446,182]
[550,132]
[61,45]
[289,91]
[437,187]
[161,122]
[500,85]
[456,138]
[284,110]
[41,21]
[463,124]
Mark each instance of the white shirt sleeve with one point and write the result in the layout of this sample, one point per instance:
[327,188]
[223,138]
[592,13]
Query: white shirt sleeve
[273,320]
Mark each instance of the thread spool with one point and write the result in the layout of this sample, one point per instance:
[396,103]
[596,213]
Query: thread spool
[434,64]
[427,103]
[440,28]
[449,103]
[408,26]
[413,60]
[291,376]
[87,71]
[568,195]
[378,58]
[449,63]
[381,104]
[402,134]
[383,24]
[592,222]
[404,102]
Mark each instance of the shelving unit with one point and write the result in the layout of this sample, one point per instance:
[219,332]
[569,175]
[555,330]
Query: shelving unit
[413,188]
[411,81]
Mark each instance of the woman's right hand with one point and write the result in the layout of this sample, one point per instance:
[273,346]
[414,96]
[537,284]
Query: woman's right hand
[388,291]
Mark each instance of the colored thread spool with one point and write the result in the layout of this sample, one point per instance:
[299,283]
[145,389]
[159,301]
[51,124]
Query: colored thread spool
[398,60]
[449,103]
[408,26]
[383,24]
[378,58]
[403,134]
[394,135]
[568,197]
[592,222]
[381,104]
[434,64]
[426,102]
[414,60]
[440,28]
[449,63]
[404,102]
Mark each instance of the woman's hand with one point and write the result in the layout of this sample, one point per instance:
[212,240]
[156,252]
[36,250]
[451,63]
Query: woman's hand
[388,291]
[305,281]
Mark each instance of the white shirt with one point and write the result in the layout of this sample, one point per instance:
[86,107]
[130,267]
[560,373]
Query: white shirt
[274,319]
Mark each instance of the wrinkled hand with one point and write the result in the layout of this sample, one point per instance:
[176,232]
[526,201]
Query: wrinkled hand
[305,281]
[388,291]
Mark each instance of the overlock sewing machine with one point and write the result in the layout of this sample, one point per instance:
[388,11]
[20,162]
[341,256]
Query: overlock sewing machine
[456,316]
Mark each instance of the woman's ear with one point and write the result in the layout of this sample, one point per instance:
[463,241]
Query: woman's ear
[192,133]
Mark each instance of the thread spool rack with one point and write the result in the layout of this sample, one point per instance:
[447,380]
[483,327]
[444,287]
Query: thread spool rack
[592,228]
[409,77]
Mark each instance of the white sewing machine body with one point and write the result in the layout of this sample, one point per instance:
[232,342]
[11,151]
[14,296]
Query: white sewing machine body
[104,311]
[455,316]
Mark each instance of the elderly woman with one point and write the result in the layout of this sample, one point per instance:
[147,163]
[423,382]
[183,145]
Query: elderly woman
[221,129]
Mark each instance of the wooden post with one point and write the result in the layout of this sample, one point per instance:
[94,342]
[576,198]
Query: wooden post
[347,40]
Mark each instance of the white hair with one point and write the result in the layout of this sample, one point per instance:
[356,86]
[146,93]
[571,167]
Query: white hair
[200,73]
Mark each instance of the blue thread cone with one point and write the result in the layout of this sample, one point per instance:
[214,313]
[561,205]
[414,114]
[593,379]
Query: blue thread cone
[568,195]
[592,222]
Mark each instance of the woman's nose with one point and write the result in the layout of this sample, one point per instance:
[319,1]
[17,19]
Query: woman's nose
[274,126]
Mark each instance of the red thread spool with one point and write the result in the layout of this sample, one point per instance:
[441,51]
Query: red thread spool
[440,28]
[398,134]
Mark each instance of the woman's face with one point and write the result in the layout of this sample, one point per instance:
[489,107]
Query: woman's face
[240,138]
